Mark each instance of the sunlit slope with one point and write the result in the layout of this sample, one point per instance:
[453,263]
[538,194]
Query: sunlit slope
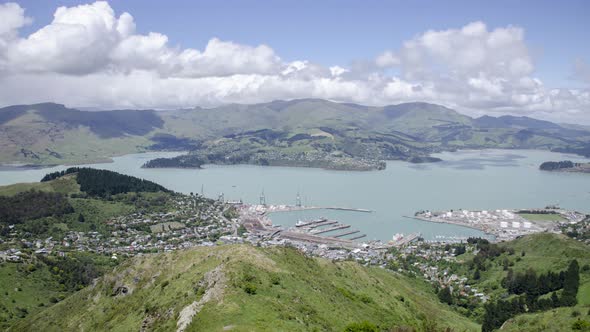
[52,134]
[243,288]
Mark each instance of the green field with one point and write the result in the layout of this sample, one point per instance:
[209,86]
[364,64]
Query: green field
[64,185]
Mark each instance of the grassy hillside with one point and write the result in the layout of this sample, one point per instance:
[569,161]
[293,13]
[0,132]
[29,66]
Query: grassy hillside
[64,185]
[243,288]
[545,252]
[538,254]
[31,139]
[57,236]
[34,285]
[542,252]
[53,134]
[556,320]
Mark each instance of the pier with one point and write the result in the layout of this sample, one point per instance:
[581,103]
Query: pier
[310,231]
[263,208]
[310,238]
[311,222]
[334,228]
[346,209]
[323,223]
[345,233]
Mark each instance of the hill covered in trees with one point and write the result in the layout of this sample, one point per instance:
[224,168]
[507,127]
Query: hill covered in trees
[98,182]
[32,205]
[556,165]
[565,166]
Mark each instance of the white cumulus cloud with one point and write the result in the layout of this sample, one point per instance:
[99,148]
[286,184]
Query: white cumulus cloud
[89,55]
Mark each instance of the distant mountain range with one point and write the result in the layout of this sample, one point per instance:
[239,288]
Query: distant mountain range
[49,133]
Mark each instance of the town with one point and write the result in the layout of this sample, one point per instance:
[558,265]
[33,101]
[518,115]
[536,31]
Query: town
[190,222]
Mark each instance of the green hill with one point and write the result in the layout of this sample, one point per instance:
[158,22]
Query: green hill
[49,133]
[543,252]
[530,257]
[244,288]
[555,320]
[58,235]
[239,287]
[41,281]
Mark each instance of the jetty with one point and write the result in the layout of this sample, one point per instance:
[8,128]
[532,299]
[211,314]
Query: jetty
[334,228]
[309,223]
[346,209]
[323,223]
[345,233]
[310,238]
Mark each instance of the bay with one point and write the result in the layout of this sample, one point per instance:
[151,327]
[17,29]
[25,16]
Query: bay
[477,179]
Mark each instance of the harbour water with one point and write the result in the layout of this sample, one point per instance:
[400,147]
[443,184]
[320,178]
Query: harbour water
[488,179]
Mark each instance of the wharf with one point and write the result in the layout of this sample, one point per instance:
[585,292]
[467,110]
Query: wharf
[334,228]
[324,223]
[345,233]
[313,222]
[305,237]
[347,209]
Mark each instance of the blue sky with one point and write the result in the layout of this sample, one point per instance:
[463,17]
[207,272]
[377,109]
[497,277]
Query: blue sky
[479,57]
[338,32]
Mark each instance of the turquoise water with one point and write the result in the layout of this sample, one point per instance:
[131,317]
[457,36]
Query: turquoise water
[490,179]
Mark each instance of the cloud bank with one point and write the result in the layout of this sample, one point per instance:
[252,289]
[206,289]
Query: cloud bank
[90,56]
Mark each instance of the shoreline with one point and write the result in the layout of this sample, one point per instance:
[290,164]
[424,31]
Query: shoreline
[504,224]
[456,223]
[15,166]
[110,159]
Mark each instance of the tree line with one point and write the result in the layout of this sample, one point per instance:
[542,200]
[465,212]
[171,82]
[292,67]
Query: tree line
[531,286]
[32,205]
[103,183]
[77,270]
[486,250]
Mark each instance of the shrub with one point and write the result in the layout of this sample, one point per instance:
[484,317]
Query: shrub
[581,325]
[275,279]
[361,327]
[249,288]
